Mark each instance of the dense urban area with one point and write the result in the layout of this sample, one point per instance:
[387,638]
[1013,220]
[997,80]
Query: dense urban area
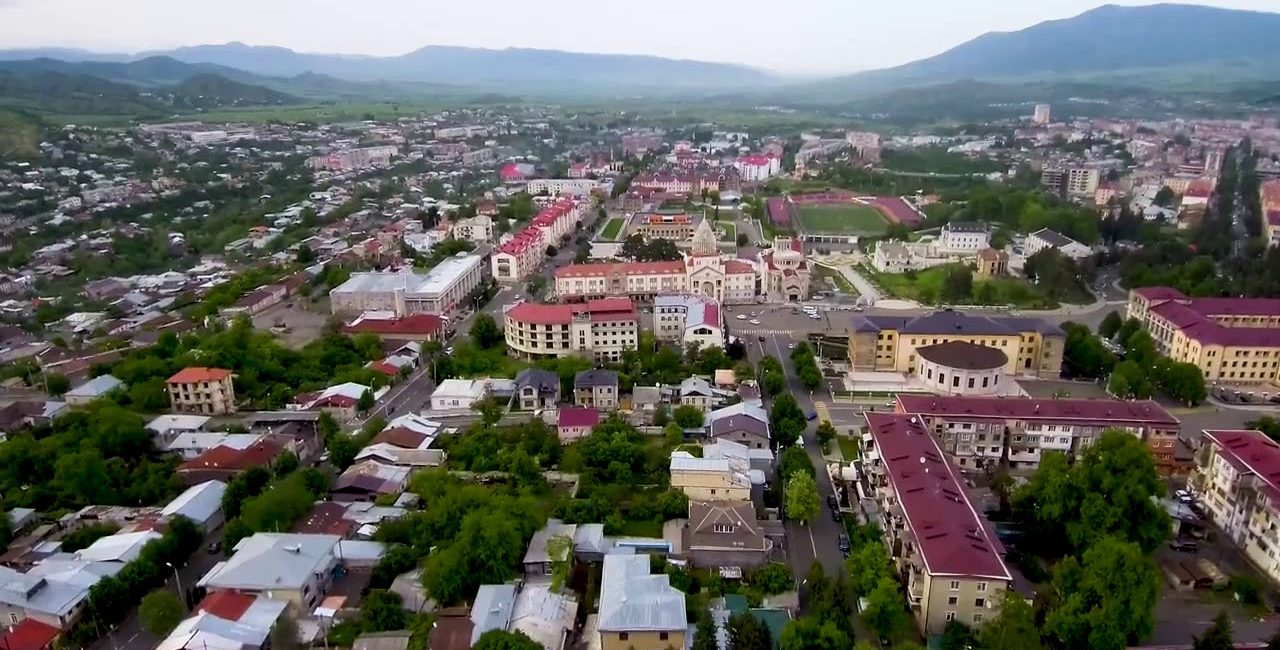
[516,375]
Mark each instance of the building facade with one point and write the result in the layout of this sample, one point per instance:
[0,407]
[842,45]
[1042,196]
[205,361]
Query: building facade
[1238,478]
[209,391]
[688,320]
[444,291]
[602,329]
[889,343]
[1231,340]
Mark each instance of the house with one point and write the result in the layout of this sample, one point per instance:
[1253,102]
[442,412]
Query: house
[367,480]
[202,504]
[743,428]
[696,391]
[458,394]
[226,619]
[120,547]
[282,566]
[202,390]
[725,534]
[709,479]
[223,463]
[596,389]
[638,610]
[415,327]
[341,401]
[575,422]
[29,634]
[537,559]
[452,631]
[491,609]
[191,445]
[1045,238]
[547,618]
[168,425]
[95,388]
[992,263]
[537,389]
[29,413]
[52,593]
[394,640]
[754,459]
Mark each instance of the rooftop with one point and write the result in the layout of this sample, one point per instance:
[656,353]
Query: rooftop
[1100,411]
[633,600]
[963,355]
[956,323]
[196,374]
[1250,452]
[268,561]
[953,539]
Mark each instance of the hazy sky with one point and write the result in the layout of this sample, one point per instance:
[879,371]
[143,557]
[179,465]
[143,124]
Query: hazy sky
[798,36]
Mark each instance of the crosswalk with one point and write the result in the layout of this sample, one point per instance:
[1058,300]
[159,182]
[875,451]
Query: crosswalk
[755,332]
[823,412]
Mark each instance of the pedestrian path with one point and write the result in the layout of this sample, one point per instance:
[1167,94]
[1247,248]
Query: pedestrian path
[764,331]
[824,413]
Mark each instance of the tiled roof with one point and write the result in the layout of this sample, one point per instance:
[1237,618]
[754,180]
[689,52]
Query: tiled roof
[624,268]
[28,634]
[424,324]
[553,314]
[227,604]
[571,416]
[1100,411]
[953,539]
[1160,293]
[259,454]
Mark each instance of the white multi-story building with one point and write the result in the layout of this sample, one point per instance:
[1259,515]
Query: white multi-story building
[476,229]
[1238,477]
[757,168]
[1043,115]
[1083,181]
[688,320]
[444,290]
[562,186]
[964,237]
[349,159]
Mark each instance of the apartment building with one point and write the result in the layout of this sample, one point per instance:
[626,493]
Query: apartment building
[676,227]
[477,229]
[935,536]
[758,168]
[688,320]
[209,391]
[562,186]
[1269,201]
[1231,340]
[1238,476]
[1043,115]
[889,343]
[601,328]
[1083,181]
[351,159]
[964,237]
[980,431]
[522,255]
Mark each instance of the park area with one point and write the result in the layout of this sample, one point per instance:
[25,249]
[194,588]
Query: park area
[840,219]
[611,229]
[930,287]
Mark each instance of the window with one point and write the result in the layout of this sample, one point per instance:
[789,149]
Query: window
[723,528]
[977,618]
[662,636]
[982,586]
[623,636]
[952,600]
[979,602]
[955,585]
[951,616]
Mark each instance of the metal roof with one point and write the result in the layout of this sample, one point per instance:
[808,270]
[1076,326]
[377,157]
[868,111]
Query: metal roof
[632,600]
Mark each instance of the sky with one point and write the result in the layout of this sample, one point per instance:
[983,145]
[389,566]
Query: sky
[802,37]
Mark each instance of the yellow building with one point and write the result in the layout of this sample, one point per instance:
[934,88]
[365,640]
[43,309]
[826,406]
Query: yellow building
[1236,477]
[952,563]
[209,391]
[639,611]
[709,479]
[1231,340]
[992,263]
[889,343]
[676,227]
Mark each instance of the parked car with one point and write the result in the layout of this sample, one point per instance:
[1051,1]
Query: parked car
[836,516]
[844,544]
[833,502]
[1184,546]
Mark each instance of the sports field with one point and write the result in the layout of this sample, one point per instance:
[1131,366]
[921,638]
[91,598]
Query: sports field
[850,219]
[611,229]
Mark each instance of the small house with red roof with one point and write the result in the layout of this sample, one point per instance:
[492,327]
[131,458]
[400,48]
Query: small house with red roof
[575,422]
[28,634]
[223,463]
[208,391]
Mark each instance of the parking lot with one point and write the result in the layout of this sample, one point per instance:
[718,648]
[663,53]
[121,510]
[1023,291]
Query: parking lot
[297,321]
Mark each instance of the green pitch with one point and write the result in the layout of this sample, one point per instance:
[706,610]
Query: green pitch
[851,219]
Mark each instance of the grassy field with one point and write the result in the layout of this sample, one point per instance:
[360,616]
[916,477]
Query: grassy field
[19,135]
[730,231]
[926,287]
[841,219]
[611,229]
[848,447]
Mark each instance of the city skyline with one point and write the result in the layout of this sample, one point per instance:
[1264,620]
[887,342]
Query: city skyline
[811,37]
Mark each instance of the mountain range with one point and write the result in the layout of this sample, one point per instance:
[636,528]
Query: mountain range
[1165,48]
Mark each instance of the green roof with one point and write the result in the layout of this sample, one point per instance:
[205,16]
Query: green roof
[774,620]
[735,603]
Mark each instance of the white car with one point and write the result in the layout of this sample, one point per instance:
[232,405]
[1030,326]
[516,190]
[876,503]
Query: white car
[815,317]
[755,321]
[742,317]
[791,346]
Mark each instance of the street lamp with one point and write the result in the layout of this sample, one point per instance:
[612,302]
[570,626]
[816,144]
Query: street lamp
[178,579]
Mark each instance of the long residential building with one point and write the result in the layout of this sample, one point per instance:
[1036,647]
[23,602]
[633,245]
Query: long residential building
[1033,346]
[1238,478]
[980,431]
[444,290]
[1269,201]
[600,328]
[703,272]
[1232,340]
[522,255]
[349,159]
[951,558]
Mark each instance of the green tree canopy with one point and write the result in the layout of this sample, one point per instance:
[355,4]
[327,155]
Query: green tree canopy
[1217,637]
[160,611]
[688,416]
[1014,628]
[802,497]
[504,640]
[808,633]
[746,632]
[1106,599]
[486,333]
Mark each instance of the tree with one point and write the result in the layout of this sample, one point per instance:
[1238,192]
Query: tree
[284,634]
[1110,325]
[958,284]
[1267,425]
[746,632]
[1129,381]
[160,611]
[366,401]
[1106,599]
[342,451]
[1183,382]
[1127,329]
[1165,197]
[772,578]
[867,566]
[688,416]
[560,550]
[327,426]
[490,410]
[884,613]
[743,240]
[793,460]
[305,255]
[551,251]
[957,636]
[673,433]
[809,633]
[802,497]
[485,332]
[1014,628]
[897,231]
[661,416]
[704,636]
[381,611]
[786,420]
[826,433]
[1084,354]
[57,383]
[1217,637]
[504,640]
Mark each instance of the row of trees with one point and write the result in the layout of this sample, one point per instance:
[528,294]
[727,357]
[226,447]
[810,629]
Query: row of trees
[278,506]
[1144,370]
[806,366]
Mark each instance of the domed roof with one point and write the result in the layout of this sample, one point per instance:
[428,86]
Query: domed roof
[963,356]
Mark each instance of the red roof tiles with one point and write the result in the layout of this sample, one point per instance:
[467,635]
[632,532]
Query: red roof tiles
[1250,452]
[598,310]
[675,267]
[194,375]
[28,634]
[417,324]
[578,417]
[226,604]
[954,540]
[259,454]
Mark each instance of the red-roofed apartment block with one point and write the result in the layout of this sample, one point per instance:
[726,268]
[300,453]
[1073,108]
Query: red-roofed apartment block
[522,255]
[1231,340]
[1238,483]
[1269,199]
[602,328]
[951,558]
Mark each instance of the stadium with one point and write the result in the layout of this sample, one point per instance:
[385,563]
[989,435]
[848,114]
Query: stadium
[840,217]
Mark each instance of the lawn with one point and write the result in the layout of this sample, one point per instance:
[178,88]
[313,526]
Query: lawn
[926,287]
[730,231]
[848,447]
[850,219]
[611,229]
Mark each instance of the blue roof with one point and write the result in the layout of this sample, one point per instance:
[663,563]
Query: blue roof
[96,387]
